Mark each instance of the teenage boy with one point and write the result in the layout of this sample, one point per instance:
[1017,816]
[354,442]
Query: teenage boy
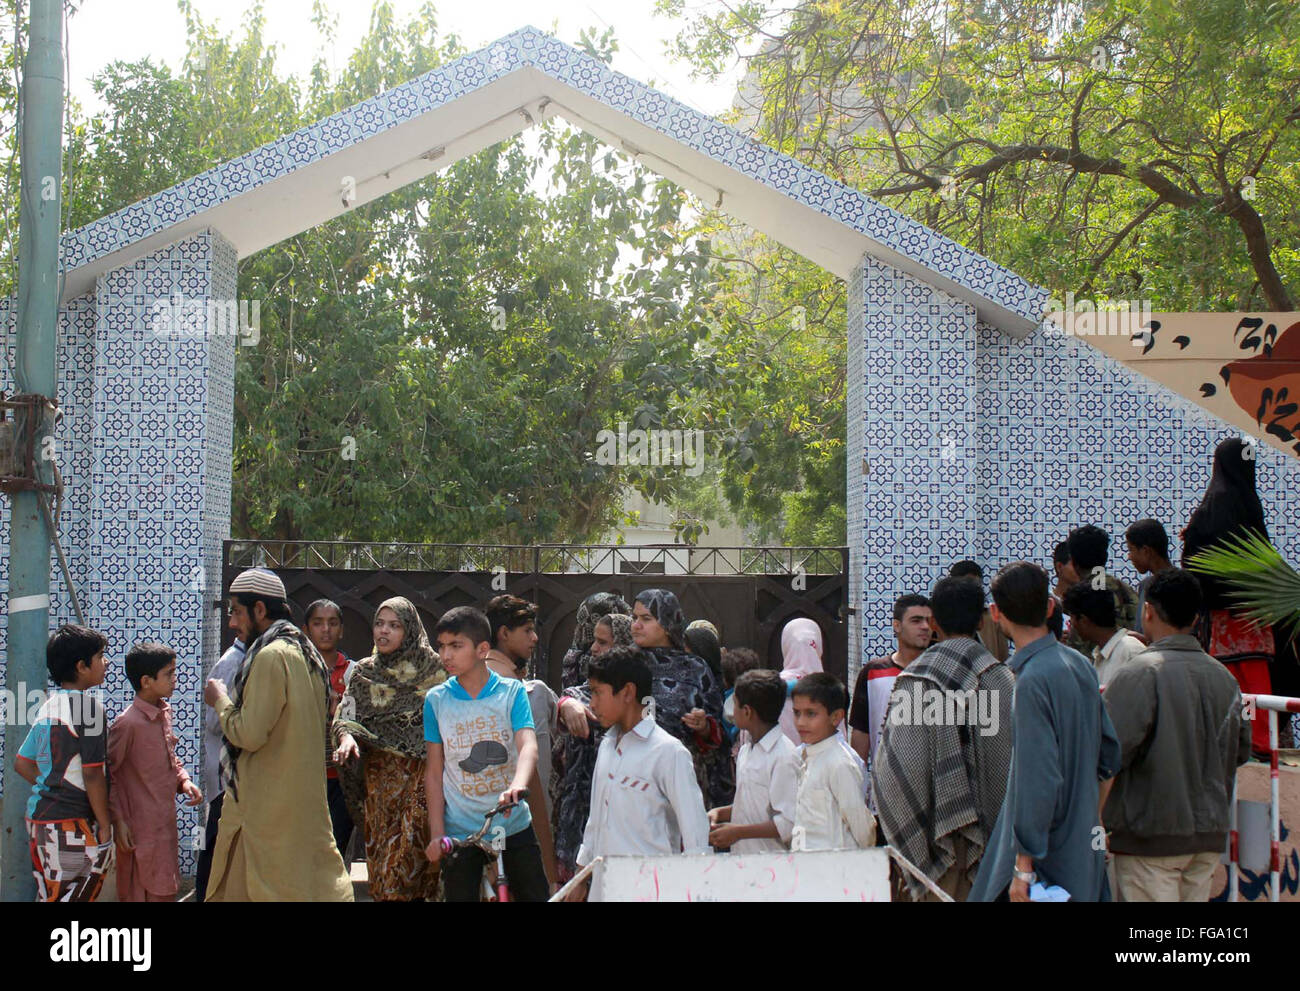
[147,777]
[1092,615]
[514,639]
[1089,552]
[1063,568]
[645,799]
[993,639]
[1063,754]
[63,758]
[761,818]
[1148,552]
[1177,712]
[830,812]
[514,632]
[481,751]
[876,679]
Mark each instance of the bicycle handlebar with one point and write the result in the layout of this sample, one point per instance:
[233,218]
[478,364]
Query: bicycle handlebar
[448,844]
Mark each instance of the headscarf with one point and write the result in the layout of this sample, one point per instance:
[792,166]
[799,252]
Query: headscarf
[665,608]
[620,628]
[572,670]
[702,641]
[1230,506]
[801,649]
[384,702]
[281,629]
[592,609]
[697,624]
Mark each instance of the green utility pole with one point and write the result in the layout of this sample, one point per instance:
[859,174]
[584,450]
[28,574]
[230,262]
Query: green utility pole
[40,154]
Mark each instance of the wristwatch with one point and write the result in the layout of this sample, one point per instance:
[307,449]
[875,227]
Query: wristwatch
[1029,877]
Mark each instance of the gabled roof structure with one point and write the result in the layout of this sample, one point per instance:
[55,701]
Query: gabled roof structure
[381,144]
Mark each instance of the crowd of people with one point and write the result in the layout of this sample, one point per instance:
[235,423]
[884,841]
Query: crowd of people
[1001,753]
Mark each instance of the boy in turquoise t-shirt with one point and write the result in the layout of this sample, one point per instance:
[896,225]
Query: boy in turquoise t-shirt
[482,750]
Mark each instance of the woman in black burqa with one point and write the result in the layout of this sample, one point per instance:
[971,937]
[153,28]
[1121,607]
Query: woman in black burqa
[1231,507]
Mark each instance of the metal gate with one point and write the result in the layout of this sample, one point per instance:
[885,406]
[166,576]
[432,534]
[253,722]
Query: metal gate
[748,593]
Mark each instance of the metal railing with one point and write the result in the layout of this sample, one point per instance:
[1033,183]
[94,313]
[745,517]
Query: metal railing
[670,559]
[1272,704]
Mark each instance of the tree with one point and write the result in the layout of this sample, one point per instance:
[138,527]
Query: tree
[781,336]
[1114,147]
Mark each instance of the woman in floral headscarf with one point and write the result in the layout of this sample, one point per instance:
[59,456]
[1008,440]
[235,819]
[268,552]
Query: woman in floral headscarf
[379,728]
[577,746]
[584,632]
[687,696]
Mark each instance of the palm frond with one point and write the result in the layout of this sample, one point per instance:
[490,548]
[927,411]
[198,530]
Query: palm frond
[1261,582]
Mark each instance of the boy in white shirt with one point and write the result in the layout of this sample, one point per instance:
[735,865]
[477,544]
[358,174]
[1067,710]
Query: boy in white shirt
[767,772]
[645,800]
[830,813]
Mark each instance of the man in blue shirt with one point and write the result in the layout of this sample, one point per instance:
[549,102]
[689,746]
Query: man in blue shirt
[1063,749]
[224,670]
[482,750]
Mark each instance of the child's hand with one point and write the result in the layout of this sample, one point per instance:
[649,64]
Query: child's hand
[723,835]
[122,833]
[511,796]
[191,791]
[697,720]
[434,850]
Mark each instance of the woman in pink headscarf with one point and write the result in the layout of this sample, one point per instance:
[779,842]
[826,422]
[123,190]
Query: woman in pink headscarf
[801,650]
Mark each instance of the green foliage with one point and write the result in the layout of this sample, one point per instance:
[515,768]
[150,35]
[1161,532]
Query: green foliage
[434,365]
[1265,586]
[781,337]
[1111,147]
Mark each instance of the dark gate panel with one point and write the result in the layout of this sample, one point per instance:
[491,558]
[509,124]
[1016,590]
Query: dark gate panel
[748,593]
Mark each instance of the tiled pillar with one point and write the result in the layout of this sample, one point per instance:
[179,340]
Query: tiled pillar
[911,445]
[160,484]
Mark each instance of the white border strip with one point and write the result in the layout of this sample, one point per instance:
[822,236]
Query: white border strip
[27,603]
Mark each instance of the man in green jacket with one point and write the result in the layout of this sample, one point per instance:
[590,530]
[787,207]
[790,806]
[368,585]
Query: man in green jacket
[1178,714]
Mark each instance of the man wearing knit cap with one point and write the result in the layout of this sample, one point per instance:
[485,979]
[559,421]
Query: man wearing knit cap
[274,842]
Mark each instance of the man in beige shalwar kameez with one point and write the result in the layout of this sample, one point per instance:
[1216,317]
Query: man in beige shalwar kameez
[275,842]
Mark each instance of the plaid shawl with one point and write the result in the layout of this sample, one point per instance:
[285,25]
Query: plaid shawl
[281,629]
[936,782]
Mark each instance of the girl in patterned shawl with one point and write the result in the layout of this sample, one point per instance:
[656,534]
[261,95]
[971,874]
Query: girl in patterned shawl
[576,748]
[687,696]
[379,728]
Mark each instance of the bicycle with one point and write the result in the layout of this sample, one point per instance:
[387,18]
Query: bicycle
[491,848]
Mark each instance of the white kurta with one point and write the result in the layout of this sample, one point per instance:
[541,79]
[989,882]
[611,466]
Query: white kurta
[830,813]
[645,800]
